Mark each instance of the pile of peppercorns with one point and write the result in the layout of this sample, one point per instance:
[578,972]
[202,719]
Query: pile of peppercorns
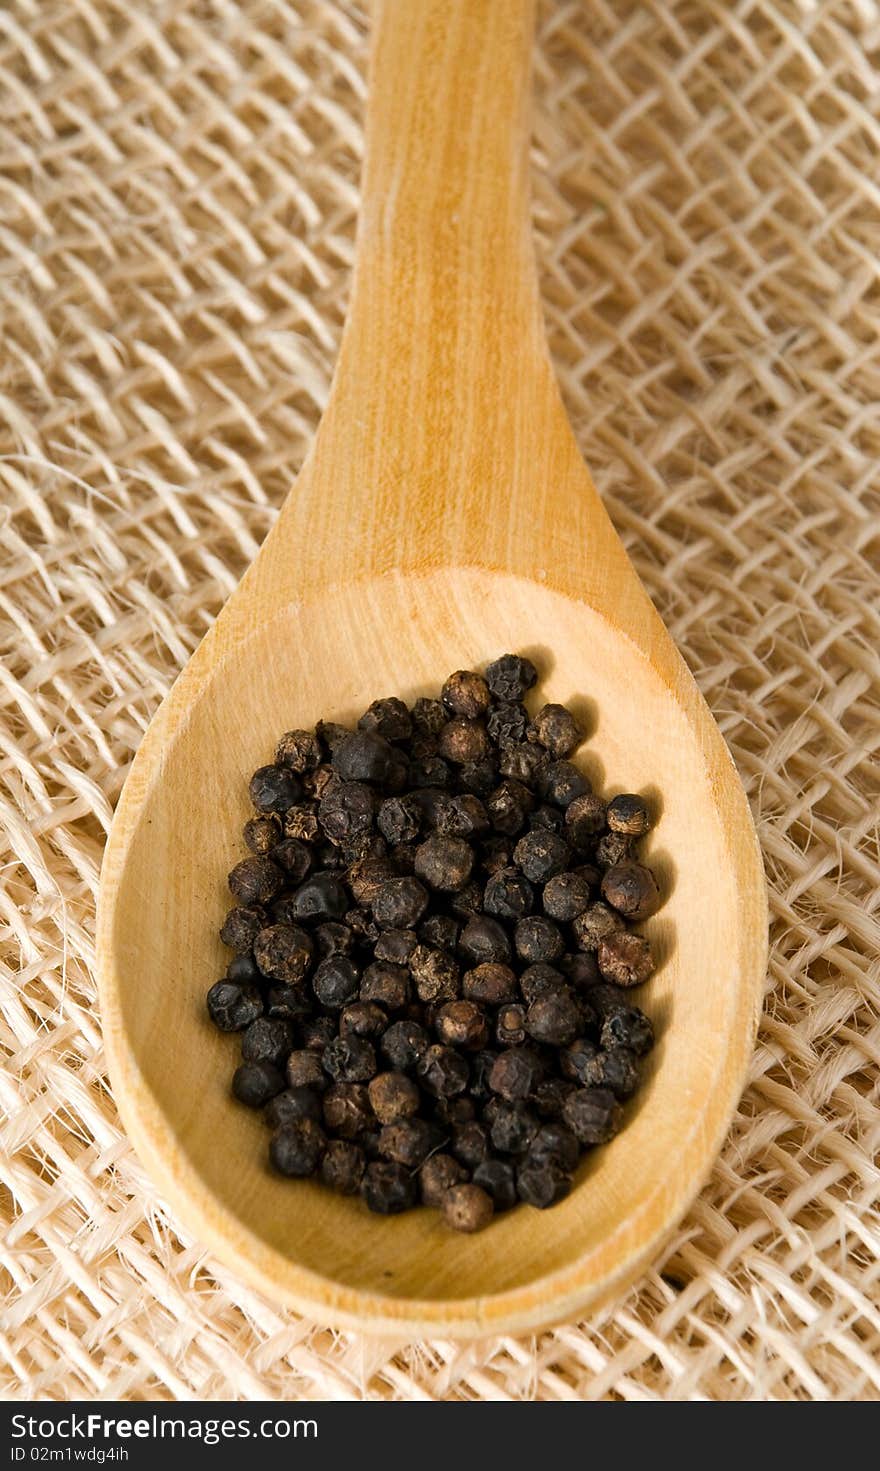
[432,952]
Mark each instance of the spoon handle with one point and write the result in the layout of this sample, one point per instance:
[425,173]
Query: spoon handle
[445,255]
[444,442]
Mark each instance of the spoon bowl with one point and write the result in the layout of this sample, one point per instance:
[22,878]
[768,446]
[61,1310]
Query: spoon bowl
[444,517]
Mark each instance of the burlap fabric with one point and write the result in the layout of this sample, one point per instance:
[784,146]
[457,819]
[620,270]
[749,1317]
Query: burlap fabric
[179,190]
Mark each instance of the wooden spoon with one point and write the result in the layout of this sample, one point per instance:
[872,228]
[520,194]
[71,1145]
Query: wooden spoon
[443,517]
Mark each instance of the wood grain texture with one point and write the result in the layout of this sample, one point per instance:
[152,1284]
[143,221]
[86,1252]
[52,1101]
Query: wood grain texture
[443,517]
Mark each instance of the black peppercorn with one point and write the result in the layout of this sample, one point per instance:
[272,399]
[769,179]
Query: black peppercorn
[267,1039]
[293,1104]
[256,880]
[404,858]
[395,946]
[539,980]
[478,777]
[512,1126]
[484,940]
[617,1070]
[437,1175]
[335,982]
[451,1112]
[233,1007]
[613,848]
[393,1096]
[334,939]
[365,932]
[510,1025]
[593,1115]
[489,984]
[470,1144]
[388,1188]
[595,925]
[548,818]
[463,741]
[468,901]
[625,959]
[467,1208]
[284,952]
[347,811]
[347,1111]
[301,823]
[362,756]
[295,857]
[317,783]
[444,863]
[342,1166]
[349,1060]
[510,677]
[244,970]
[495,854]
[461,817]
[399,903]
[556,1143]
[550,1095]
[331,858]
[584,821]
[524,762]
[440,931]
[296,1148]
[362,1019]
[429,717]
[254,1083]
[482,1064]
[498,1178]
[628,1027]
[399,819]
[631,889]
[515,1073]
[241,927]
[541,854]
[538,939]
[304,1070]
[428,771]
[554,1019]
[541,1183]
[300,750]
[580,969]
[274,789]
[389,718]
[462,1024]
[508,894]
[466,694]
[442,1071]
[507,806]
[562,784]
[435,975]
[322,896]
[557,730]
[386,984]
[316,1032]
[629,814]
[566,896]
[261,834]
[409,1141]
[404,1044]
[576,1060]
[507,724]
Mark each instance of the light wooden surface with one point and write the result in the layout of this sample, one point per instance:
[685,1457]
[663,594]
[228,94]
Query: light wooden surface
[443,517]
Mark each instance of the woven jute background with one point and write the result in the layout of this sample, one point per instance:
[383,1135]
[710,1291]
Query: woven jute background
[179,187]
